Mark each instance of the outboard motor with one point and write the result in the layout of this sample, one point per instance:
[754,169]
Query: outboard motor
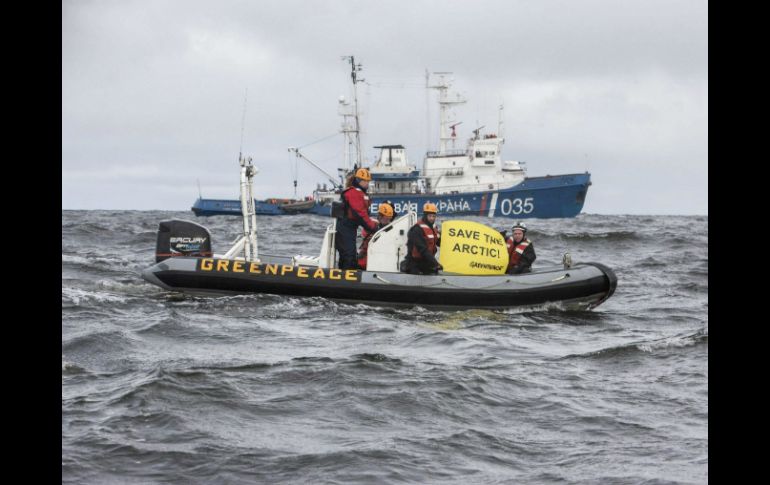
[182,238]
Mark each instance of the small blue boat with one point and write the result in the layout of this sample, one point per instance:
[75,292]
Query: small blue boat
[268,207]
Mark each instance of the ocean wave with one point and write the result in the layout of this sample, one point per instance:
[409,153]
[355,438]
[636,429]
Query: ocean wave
[699,337]
[245,367]
[375,357]
[70,258]
[81,297]
[70,368]
[85,228]
[609,236]
[178,385]
[651,262]
[146,237]
[104,265]
[96,341]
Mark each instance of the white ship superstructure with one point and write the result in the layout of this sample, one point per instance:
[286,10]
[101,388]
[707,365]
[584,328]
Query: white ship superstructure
[393,174]
[477,167]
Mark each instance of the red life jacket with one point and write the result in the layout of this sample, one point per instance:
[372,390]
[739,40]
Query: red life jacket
[431,236]
[515,251]
[362,252]
[357,206]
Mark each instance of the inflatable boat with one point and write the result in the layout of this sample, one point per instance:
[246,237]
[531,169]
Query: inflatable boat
[186,264]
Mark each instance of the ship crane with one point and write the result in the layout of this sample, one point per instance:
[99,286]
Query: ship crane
[329,177]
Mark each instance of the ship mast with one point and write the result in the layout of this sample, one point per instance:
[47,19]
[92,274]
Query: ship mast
[354,68]
[500,122]
[442,85]
[347,129]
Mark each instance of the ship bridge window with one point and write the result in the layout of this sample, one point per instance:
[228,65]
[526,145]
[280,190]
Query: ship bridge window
[489,162]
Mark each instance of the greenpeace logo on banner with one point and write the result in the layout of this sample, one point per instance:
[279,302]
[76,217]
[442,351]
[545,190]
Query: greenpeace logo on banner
[493,267]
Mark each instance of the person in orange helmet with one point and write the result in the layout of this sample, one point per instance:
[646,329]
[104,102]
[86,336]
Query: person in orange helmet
[384,216]
[423,241]
[356,213]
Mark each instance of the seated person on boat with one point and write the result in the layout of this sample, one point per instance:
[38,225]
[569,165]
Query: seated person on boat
[521,251]
[423,241]
[384,216]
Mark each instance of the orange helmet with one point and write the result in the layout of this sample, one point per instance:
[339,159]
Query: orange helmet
[429,207]
[385,210]
[363,174]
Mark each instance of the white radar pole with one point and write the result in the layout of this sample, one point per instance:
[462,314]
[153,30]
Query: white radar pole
[248,210]
[442,84]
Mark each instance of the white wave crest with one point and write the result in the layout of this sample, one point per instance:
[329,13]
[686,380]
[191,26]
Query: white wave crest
[78,296]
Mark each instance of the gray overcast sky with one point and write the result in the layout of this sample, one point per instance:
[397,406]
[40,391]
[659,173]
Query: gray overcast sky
[153,93]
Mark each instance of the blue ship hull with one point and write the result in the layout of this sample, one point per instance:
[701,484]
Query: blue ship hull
[551,196]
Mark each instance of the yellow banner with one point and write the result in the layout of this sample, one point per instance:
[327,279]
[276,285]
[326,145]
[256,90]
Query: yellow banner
[472,248]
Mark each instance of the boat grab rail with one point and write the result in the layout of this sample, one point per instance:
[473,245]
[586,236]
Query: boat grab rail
[449,283]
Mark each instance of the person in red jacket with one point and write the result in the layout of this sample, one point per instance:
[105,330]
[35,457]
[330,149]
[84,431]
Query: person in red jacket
[356,213]
[384,216]
[423,241]
[521,251]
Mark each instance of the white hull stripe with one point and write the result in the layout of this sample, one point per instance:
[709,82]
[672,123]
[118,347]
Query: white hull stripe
[493,205]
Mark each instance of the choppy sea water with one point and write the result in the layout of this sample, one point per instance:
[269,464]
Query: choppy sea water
[158,388]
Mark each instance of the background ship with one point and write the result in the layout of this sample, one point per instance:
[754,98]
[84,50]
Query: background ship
[472,180]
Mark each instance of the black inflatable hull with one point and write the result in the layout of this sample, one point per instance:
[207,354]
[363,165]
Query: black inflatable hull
[584,285]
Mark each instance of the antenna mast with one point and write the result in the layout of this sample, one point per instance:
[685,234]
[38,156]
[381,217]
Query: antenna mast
[354,68]
[445,104]
[500,122]
[347,130]
[243,123]
[427,111]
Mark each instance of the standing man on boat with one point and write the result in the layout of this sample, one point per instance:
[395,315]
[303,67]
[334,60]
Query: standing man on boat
[521,251]
[384,216]
[356,213]
[423,241]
